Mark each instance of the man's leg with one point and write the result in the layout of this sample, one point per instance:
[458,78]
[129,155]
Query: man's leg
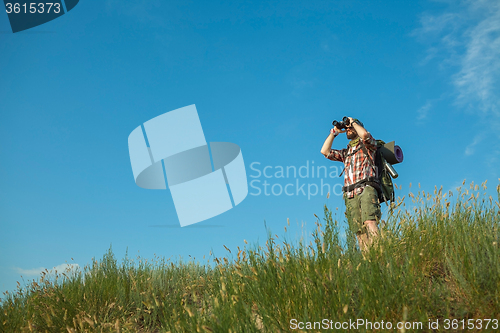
[372,231]
[370,212]
[363,241]
[371,226]
[353,213]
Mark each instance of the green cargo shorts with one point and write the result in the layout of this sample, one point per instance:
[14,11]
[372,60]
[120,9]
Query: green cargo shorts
[361,208]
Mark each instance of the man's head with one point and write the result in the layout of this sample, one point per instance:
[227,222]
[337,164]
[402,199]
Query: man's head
[351,133]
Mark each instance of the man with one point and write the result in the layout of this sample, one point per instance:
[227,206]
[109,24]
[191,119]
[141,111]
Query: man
[360,193]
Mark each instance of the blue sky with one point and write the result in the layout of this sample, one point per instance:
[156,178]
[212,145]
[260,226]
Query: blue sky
[268,76]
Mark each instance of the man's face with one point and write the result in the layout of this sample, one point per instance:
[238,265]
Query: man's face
[351,133]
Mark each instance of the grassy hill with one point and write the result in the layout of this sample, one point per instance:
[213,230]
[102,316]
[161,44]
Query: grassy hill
[436,264]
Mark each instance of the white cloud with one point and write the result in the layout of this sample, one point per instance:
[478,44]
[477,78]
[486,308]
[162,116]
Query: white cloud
[437,24]
[464,41]
[424,111]
[478,78]
[63,268]
[29,272]
[469,150]
[467,38]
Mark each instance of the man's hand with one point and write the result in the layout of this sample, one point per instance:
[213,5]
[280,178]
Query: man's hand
[350,122]
[335,129]
[327,146]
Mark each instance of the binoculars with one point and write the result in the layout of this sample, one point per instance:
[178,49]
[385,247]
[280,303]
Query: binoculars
[341,124]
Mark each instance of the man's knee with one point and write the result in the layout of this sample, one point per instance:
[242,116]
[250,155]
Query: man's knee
[371,227]
[370,223]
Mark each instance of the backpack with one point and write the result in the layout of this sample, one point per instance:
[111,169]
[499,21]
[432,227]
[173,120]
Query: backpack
[383,181]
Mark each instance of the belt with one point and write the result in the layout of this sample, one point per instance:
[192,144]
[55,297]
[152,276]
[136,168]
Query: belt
[372,181]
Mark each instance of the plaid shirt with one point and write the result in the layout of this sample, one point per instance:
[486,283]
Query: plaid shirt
[357,167]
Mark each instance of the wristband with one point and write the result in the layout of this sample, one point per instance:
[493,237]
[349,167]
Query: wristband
[358,122]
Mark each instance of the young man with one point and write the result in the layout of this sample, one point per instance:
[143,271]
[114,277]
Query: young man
[360,193]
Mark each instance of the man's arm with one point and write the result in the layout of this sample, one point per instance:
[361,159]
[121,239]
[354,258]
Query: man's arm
[362,133]
[327,146]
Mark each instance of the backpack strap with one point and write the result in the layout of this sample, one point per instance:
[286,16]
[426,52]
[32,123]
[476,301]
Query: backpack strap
[379,188]
[365,151]
[354,152]
[349,155]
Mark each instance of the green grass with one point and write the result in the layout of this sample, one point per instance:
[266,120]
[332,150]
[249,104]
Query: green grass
[438,258]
